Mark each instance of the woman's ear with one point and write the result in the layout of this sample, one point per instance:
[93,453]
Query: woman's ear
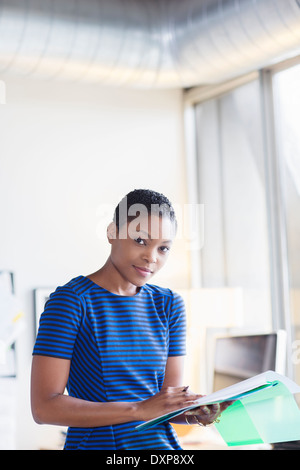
[111,232]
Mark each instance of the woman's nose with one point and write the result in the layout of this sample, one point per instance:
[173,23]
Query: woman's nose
[150,256]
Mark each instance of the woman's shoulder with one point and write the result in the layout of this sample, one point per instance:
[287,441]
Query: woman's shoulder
[69,293]
[78,285]
[155,289]
[162,291]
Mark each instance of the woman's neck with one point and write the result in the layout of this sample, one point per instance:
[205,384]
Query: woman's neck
[110,279]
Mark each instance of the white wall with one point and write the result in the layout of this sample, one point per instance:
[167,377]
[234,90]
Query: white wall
[65,150]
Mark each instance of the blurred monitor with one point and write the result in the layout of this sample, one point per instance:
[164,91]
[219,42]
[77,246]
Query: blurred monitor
[238,358]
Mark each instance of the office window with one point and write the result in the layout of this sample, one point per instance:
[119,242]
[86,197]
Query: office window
[231,184]
[287,117]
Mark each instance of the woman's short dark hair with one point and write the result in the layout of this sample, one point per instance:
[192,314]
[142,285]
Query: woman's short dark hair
[152,201]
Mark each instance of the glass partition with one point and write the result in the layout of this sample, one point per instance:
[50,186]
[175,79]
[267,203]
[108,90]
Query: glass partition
[231,182]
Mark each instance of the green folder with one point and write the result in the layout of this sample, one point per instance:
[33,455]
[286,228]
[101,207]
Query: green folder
[270,417]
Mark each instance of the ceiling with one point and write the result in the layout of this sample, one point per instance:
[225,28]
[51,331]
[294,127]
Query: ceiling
[145,43]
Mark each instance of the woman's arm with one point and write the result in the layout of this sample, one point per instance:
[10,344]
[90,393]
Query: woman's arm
[49,405]
[174,378]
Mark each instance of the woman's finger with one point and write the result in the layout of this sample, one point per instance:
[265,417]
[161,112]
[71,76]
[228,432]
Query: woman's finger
[215,408]
[200,411]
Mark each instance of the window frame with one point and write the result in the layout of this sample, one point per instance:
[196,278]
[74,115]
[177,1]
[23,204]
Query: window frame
[277,233]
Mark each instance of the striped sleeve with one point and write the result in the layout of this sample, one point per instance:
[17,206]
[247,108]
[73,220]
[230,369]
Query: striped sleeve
[177,327]
[59,324]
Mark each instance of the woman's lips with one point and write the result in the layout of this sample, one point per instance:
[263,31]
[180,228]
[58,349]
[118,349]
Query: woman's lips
[145,272]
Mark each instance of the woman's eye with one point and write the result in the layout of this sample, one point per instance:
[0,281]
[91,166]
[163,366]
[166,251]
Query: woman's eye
[140,241]
[164,249]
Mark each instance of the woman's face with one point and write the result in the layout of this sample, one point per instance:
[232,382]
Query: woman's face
[141,248]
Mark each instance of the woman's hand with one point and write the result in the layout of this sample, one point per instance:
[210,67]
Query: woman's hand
[167,400]
[207,414]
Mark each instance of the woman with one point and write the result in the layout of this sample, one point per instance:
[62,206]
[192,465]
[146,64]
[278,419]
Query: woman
[117,342]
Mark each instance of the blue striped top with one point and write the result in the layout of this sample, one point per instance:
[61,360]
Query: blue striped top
[118,347]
